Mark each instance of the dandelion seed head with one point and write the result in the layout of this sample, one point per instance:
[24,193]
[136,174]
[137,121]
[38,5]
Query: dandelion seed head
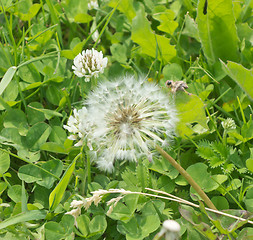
[89,63]
[125,118]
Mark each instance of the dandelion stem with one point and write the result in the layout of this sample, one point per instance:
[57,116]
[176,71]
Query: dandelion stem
[188,178]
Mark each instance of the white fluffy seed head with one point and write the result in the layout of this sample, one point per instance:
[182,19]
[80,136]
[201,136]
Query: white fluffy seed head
[126,118]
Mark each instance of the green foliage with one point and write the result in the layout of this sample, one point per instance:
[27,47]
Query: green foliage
[42,172]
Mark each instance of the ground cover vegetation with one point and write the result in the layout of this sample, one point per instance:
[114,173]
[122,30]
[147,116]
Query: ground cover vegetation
[117,115]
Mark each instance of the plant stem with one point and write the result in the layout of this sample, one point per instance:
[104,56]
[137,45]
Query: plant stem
[188,178]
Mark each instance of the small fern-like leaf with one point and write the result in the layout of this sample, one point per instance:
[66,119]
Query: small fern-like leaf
[142,174]
[205,150]
[216,161]
[130,180]
[220,149]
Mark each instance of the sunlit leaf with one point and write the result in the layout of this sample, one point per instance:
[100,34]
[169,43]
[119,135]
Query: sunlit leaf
[217,30]
[57,194]
[241,75]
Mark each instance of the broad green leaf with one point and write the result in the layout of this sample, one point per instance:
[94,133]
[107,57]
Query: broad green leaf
[3,186]
[124,6]
[220,202]
[119,52]
[24,217]
[124,212]
[217,30]
[139,227]
[83,18]
[48,113]
[204,179]
[75,9]
[4,162]
[58,135]
[173,72]
[249,164]
[241,75]
[190,111]
[33,115]
[191,28]
[83,223]
[7,78]
[151,44]
[37,135]
[166,19]
[57,194]
[15,193]
[29,73]
[11,137]
[15,118]
[97,225]
[29,173]
[28,13]
[56,231]
[53,166]
[53,95]
[54,147]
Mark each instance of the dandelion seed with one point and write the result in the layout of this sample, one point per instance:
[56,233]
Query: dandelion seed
[89,63]
[124,120]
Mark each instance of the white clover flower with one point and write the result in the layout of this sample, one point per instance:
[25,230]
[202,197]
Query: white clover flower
[92,4]
[77,126]
[126,118]
[89,63]
[228,124]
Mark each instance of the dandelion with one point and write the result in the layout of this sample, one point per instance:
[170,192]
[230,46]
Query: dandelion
[124,120]
[89,63]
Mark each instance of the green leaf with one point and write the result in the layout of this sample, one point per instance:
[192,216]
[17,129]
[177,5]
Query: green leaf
[139,227]
[15,118]
[151,44]
[190,110]
[33,115]
[15,193]
[57,194]
[83,18]
[83,223]
[7,78]
[53,166]
[29,173]
[241,75]
[24,217]
[4,162]
[97,225]
[142,174]
[48,113]
[249,164]
[54,147]
[124,6]
[204,179]
[217,30]
[37,135]
[166,19]
[29,73]
[173,72]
